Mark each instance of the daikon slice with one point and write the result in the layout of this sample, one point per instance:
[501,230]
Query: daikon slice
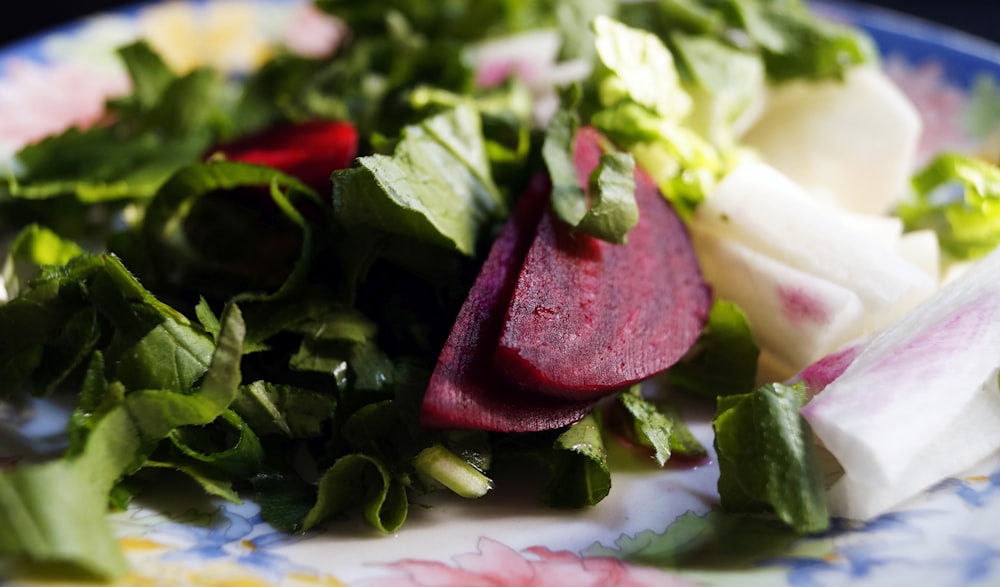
[856,139]
[795,316]
[972,435]
[763,212]
[907,390]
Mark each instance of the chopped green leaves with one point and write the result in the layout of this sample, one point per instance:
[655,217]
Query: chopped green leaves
[611,210]
[767,458]
[54,513]
[436,187]
[723,361]
[661,430]
[578,466]
[640,70]
[643,107]
[958,197]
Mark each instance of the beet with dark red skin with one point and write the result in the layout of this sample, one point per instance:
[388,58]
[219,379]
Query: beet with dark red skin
[465,391]
[588,317]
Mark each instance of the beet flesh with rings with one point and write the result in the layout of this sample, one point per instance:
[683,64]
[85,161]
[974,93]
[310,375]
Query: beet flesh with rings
[557,320]
[588,317]
[465,391]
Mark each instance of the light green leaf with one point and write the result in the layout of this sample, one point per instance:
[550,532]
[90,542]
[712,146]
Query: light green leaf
[436,187]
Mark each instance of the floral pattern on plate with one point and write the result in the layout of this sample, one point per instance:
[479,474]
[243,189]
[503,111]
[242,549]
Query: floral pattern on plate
[948,536]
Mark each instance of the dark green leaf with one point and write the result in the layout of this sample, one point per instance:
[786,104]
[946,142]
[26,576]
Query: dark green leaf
[283,409]
[359,480]
[578,467]
[228,448]
[54,513]
[723,361]
[767,457]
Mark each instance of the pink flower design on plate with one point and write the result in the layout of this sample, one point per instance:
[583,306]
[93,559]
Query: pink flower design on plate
[940,104]
[313,33]
[497,565]
[39,100]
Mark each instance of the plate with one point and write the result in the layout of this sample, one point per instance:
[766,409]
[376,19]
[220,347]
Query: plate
[656,528]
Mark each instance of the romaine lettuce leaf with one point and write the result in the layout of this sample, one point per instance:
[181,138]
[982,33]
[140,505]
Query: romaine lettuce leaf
[643,107]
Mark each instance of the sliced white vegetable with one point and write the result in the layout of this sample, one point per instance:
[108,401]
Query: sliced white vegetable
[922,248]
[795,316]
[885,230]
[973,435]
[856,139]
[914,387]
[806,279]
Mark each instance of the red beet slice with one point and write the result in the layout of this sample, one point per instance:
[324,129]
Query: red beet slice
[309,151]
[588,317]
[465,391]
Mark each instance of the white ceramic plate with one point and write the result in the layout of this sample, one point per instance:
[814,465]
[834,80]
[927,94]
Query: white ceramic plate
[657,528]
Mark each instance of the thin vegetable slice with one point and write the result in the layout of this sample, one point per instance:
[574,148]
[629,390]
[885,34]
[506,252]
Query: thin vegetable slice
[588,318]
[465,391]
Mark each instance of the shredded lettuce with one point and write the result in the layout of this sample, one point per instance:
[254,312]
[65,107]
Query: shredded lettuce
[958,197]
[54,512]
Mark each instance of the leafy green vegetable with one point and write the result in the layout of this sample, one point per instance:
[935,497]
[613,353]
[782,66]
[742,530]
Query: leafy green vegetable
[450,203]
[166,123]
[578,466]
[54,512]
[290,411]
[33,248]
[640,70]
[611,210]
[226,227]
[790,40]
[642,106]
[958,197]
[723,361]
[767,458]
[725,85]
[658,426]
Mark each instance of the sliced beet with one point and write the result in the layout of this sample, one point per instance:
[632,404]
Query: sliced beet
[309,151]
[588,317]
[465,391]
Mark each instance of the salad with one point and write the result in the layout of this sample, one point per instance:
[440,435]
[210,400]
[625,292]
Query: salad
[498,231]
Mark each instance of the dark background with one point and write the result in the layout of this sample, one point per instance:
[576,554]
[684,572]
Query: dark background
[979,17]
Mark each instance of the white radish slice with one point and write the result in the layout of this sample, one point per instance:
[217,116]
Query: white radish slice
[973,435]
[766,245]
[921,247]
[795,316]
[914,386]
[856,139]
